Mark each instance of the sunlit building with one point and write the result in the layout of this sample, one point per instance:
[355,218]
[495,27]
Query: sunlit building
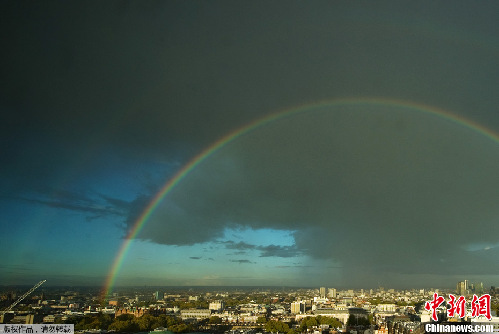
[298,307]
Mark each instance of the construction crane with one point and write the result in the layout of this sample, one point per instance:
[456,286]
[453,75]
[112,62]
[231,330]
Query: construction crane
[22,297]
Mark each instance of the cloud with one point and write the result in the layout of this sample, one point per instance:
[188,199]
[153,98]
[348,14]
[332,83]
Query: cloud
[265,251]
[75,201]
[238,253]
[195,257]
[241,261]
[241,245]
[375,189]
[280,251]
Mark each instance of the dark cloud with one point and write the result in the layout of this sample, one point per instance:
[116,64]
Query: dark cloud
[241,245]
[241,261]
[294,266]
[265,251]
[238,253]
[195,257]
[280,251]
[375,188]
[78,202]
[135,90]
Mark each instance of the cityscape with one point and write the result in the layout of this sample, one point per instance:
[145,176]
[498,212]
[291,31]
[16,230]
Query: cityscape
[242,309]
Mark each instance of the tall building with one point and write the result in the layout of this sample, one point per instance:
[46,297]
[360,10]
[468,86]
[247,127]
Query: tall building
[478,288]
[332,293]
[298,307]
[322,292]
[462,287]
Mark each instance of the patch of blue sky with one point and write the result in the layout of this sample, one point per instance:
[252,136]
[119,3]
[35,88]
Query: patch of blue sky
[478,246]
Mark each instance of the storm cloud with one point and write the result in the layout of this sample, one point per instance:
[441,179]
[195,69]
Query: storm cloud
[380,187]
[104,102]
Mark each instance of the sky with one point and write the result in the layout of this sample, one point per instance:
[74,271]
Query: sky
[318,143]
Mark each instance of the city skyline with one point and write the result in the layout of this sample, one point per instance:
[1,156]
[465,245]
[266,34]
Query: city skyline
[251,144]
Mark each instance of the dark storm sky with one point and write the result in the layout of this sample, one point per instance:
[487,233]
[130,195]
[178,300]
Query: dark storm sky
[102,102]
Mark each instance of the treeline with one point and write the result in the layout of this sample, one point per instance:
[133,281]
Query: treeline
[273,326]
[148,322]
[130,323]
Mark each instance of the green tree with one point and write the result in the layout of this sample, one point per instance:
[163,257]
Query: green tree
[124,317]
[124,326]
[333,322]
[145,322]
[418,306]
[307,323]
[261,320]
[276,326]
[215,320]
[180,328]
[92,321]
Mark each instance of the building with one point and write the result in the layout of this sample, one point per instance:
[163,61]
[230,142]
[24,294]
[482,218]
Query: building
[462,287]
[197,314]
[478,288]
[322,292]
[113,303]
[332,293]
[137,312]
[217,305]
[340,314]
[298,307]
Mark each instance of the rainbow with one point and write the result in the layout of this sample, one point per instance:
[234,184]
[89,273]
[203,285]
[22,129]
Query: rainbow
[198,159]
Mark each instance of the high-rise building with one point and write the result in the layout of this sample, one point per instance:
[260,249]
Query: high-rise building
[298,307]
[332,293]
[322,292]
[462,287]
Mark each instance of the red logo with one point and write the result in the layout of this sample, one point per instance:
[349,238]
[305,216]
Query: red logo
[456,307]
[479,306]
[434,304]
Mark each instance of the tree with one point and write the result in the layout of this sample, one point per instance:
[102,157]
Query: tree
[124,326]
[180,328]
[261,320]
[418,306]
[124,317]
[145,322]
[333,322]
[276,326]
[215,320]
